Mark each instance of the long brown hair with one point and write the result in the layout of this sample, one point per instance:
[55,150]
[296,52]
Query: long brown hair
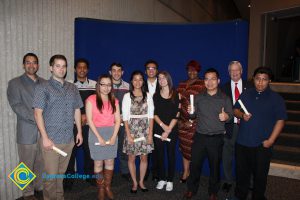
[172,91]
[111,97]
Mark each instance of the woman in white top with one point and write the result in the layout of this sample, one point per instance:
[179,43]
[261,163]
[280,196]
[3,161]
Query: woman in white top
[137,109]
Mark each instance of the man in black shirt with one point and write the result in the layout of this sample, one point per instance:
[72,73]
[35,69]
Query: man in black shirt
[212,109]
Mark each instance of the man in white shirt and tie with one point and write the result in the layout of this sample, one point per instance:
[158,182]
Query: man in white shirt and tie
[233,89]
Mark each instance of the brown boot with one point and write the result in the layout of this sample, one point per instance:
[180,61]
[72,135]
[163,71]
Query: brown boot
[100,185]
[107,181]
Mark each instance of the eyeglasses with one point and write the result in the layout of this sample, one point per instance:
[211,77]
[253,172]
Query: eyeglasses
[151,68]
[105,85]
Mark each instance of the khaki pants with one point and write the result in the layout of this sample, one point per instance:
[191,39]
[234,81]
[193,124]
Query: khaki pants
[31,156]
[55,164]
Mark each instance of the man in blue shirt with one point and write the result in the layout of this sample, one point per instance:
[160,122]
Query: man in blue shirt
[56,106]
[257,133]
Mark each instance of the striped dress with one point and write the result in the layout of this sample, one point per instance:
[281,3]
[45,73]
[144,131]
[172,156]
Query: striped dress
[187,127]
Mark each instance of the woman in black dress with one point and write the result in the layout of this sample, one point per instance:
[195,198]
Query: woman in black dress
[166,113]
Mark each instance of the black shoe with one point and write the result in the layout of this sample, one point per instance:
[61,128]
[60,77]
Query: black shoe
[127,177]
[143,189]
[182,180]
[38,194]
[226,187]
[133,191]
[67,184]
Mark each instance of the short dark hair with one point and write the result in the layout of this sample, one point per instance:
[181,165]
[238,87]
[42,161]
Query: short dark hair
[194,65]
[151,62]
[115,64]
[57,56]
[82,60]
[30,54]
[212,70]
[264,70]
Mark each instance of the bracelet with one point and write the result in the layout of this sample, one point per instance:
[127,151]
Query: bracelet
[160,124]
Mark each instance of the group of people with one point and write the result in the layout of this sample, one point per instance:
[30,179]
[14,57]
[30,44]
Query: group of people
[143,118]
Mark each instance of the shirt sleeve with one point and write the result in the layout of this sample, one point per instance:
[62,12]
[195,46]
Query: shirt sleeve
[79,103]
[228,108]
[150,106]
[40,97]
[15,101]
[280,109]
[126,107]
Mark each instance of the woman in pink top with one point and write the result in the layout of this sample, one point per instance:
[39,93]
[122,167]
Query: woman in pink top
[103,117]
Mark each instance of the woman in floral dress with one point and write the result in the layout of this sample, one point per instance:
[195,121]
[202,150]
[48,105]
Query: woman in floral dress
[137,110]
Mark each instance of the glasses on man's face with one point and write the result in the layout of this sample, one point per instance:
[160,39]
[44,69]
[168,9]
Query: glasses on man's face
[105,85]
[151,68]
[31,63]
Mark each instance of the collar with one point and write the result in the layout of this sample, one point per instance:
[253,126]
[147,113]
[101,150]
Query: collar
[56,83]
[152,84]
[239,82]
[119,84]
[27,78]
[265,92]
[85,82]
[218,94]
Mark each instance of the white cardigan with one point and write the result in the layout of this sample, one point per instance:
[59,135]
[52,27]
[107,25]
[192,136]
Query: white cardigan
[126,105]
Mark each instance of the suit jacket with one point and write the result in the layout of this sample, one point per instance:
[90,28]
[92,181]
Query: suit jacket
[226,88]
[20,94]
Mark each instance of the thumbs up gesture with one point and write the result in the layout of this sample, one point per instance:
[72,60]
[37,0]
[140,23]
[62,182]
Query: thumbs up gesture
[223,116]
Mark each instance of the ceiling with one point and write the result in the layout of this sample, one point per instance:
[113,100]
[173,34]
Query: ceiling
[242,6]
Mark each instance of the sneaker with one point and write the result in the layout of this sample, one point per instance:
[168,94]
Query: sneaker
[160,185]
[169,186]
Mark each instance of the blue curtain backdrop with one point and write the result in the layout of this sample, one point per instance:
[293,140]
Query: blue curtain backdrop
[171,45]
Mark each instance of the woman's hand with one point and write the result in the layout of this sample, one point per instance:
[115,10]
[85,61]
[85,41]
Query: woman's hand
[164,136]
[101,141]
[112,140]
[130,139]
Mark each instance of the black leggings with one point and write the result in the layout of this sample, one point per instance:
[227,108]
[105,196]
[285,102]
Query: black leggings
[160,146]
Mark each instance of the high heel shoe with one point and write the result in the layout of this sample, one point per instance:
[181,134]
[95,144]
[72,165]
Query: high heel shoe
[182,180]
[143,189]
[133,191]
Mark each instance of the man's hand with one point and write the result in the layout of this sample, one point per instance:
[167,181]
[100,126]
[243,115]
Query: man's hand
[246,117]
[223,116]
[79,139]
[47,143]
[267,143]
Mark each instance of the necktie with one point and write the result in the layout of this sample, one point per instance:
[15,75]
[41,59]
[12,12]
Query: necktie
[236,92]
[236,96]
